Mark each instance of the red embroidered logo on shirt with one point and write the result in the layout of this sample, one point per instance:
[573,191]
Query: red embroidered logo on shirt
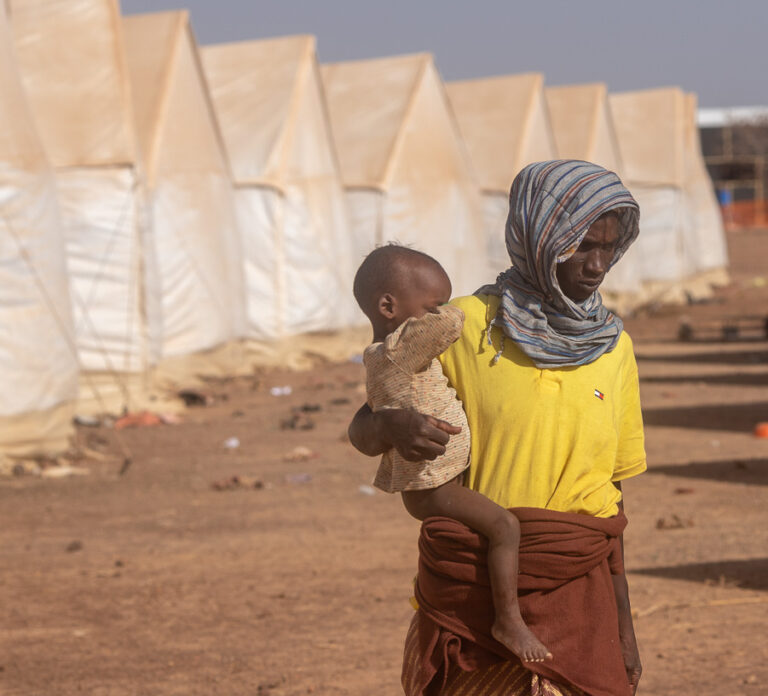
[599,394]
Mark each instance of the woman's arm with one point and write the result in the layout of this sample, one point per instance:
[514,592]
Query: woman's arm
[627,637]
[415,436]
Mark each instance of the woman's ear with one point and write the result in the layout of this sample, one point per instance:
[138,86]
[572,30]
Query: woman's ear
[387,305]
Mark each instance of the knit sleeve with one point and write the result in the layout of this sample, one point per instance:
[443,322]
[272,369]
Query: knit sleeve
[419,341]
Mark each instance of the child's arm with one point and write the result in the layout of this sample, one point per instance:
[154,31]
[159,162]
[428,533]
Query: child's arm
[419,341]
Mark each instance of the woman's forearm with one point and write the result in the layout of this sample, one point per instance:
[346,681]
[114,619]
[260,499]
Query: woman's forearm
[621,591]
[627,637]
[414,435]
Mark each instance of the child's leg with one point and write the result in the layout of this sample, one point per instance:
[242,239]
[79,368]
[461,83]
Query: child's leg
[502,530]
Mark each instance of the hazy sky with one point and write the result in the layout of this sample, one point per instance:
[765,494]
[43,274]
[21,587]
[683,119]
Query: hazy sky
[715,48]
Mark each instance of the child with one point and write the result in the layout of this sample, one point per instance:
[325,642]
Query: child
[404,294]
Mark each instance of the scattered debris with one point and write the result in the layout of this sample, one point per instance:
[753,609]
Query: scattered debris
[194,397]
[16,467]
[231,443]
[88,453]
[297,421]
[87,421]
[64,471]
[73,546]
[735,328]
[125,466]
[143,419]
[299,454]
[339,401]
[366,489]
[95,441]
[286,390]
[683,491]
[238,414]
[236,481]
[722,581]
[137,420]
[309,408]
[673,522]
[298,478]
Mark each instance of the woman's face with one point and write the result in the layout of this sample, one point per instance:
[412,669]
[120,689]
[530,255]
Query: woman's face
[583,272]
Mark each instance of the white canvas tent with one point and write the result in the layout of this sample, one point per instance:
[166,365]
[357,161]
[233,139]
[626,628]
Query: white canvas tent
[404,165]
[38,363]
[583,129]
[654,139]
[192,205]
[72,63]
[582,124]
[297,251]
[505,123]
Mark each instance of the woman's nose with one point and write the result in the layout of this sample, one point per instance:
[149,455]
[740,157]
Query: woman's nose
[597,262]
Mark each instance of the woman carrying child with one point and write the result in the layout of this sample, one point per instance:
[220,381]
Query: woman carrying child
[548,382]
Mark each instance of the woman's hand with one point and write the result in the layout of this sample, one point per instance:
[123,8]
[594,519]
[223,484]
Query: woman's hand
[414,435]
[632,662]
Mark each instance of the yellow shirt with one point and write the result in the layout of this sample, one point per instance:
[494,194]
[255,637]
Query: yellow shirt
[547,438]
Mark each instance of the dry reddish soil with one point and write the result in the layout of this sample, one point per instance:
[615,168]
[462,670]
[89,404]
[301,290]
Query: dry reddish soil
[297,581]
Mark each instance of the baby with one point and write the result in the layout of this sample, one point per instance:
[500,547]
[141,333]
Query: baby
[404,294]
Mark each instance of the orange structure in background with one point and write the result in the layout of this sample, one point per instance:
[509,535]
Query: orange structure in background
[740,214]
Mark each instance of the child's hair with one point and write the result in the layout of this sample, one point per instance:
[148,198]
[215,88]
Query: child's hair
[385,269]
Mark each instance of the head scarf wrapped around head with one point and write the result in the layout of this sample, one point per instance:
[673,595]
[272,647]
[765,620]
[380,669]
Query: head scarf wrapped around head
[551,208]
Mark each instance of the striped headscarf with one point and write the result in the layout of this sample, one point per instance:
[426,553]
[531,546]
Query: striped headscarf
[551,207]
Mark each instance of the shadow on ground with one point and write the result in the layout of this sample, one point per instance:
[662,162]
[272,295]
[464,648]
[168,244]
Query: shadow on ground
[738,380]
[750,574]
[749,471]
[736,417]
[740,357]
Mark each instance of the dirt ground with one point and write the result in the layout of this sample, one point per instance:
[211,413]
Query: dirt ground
[297,581]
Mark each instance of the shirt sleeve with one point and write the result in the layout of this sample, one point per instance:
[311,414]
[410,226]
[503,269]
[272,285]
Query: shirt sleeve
[630,458]
[419,341]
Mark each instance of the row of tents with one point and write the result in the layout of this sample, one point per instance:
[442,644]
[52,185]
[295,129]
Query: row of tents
[169,211]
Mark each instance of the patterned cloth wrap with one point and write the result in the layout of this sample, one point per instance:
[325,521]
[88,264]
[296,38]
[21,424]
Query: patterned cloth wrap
[551,207]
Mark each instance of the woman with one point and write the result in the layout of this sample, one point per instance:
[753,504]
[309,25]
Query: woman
[549,384]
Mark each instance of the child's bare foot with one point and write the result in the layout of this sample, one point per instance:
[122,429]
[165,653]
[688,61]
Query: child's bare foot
[517,637]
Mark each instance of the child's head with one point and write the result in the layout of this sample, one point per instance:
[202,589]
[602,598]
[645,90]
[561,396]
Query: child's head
[395,283]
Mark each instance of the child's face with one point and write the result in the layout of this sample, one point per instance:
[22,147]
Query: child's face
[428,288]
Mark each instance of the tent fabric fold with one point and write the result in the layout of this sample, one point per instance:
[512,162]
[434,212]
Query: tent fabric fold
[38,362]
[404,164]
[296,248]
[505,123]
[194,235]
